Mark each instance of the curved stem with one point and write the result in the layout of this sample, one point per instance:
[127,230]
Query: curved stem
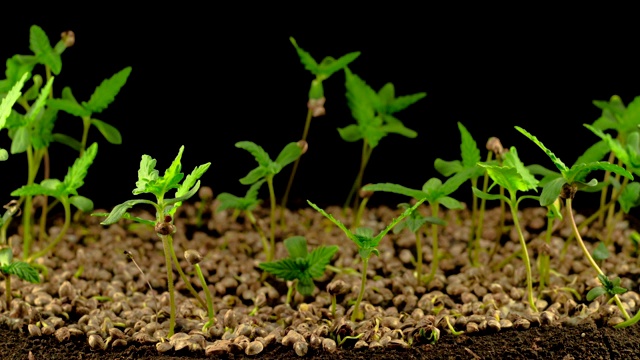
[86,124]
[184,277]
[263,237]
[364,159]
[166,244]
[592,262]
[525,253]
[207,294]
[356,310]
[67,221]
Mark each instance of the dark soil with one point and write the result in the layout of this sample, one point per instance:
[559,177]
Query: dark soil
[552,342]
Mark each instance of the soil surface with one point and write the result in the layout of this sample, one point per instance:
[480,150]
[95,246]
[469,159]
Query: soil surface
[105,295]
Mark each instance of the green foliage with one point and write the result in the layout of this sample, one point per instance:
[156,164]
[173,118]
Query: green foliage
[609,287]
[266,166]
[20,269]
[600,252]
[301,265]
[470,157]
[415,221]
[246,203]
[511,175]
[6,105]
[616,116]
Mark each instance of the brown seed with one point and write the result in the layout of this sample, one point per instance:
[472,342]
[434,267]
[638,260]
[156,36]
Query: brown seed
[66,290]
[118,343]
[255,347]
[163,347]
[291,338]
[521,324]
[219,347]
[34,330]
[96,342]
[329,345]
[301,348]
[192,256]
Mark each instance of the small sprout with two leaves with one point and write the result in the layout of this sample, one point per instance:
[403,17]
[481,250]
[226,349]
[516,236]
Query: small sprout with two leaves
[9,266]
[150,182]
[301,266]
[367,245]
[266,170]
[609,287]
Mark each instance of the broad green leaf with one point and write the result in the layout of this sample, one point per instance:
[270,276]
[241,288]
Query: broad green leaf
[286,268]
[296,247]
[595,152]
[397,189]
[551,191]
[507,177]
[36,189]
[579,172]
[106,92]
[248,203]
[42,134]
[595,292]
[191,179]
[40,45]
[23,271]
[67,140]
[454,182]
[305,285]
[257,151]
[147,174]
[119,211]
[630,197]
[350,133]
[254,175]
[556,161]
[6,256]
[110,133]
[447,168]
[468,148]
[173,204]
[319,258]
[7,102]
[82,203]
[78,171]
[21,140]
[511,159]
[600,252]
[486,196]
[17,66]
[450,203]
[289,154]
[69,107]
[398,128]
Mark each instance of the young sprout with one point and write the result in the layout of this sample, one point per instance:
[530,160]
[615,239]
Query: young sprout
[194,258]
[374,115]
[150,182]
[470,157]
[6,105]
[267,169]
[315,105]
[65,191]
[246,204]
[514,177]
[301,266]
[566,187]
[553,213]
[21,269]
[609,287]
[435,193]
[367,245]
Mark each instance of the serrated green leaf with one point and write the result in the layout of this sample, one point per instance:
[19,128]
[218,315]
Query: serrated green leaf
[579,172]
[78,171]
[173,204]
[257,151]
[595,292]
[40,45]
[403,102]
[6,256]
[507,177]
[68,106]
[106,92]
[67,140]
[110,133]
[396,189]
[247,203]
[288,154]
[40,102]
[469,151]
[305,58]
[23,271]
[630,197]
[613,144]
[119,210]
[618,290]
[361,98]
[486,196]
[556,161]
[42,135]
[395,222]
[191,179]
[397,128]
[296,247]
[82,203]
[147,174]
[551,191]
[171,177]
[36,189]
[286,268]
[7,102]
[305,285]
[17,66]
[511,159]
[337,222]
[318,260]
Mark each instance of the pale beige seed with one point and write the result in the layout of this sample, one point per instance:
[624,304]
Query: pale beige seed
[96,342]
[163,347]
[521,324]
[219,347]
[301,348]
[119,343]
[34,330]
[291,338]
[329,345]
[255,347]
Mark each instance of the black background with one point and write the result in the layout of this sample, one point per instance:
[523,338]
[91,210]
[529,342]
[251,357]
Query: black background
[207,81]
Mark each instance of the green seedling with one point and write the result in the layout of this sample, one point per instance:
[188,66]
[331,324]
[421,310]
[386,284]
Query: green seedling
[266,170]
[513,176]
[470,157]
[315,105]
[435,193]
[566,187]
[374,115]
[9,266]
[66,192]
[301,267]
[367,245]
[150,182]
[6,105]
[609,287]
[553,212]
[247,204]
[194,258]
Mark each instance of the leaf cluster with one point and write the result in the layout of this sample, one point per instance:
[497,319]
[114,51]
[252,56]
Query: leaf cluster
[267,167]
[20,269]
[301,265]
[246,203]
[609,287]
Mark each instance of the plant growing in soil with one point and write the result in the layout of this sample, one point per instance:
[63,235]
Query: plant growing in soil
[194,258]
[435,193]
[315,105]
[266,170]
[374,115]
[301,267]
[513,176]
[566,187]
[149,182]
[366,243]
[21,269]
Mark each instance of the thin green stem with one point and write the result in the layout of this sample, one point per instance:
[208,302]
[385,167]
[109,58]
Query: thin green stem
[474,248]
[603,193]
[263,237]
[207,294]
[67,221]
[285,198]
[183,276]
[435,206]
[272,201]
[363,205]
[7,288]
[290,293]
[172,301]
[86,124]
[418,235]
[543,257]
[364,159]
[525,253]
[355,315]
[586,253]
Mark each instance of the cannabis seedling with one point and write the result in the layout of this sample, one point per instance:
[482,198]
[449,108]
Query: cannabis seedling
[267,169]
[149,182]
[66,192]
[21,269]
[435,193]
[246,204]
[6,105]
[367,245]
[315,105]
[301,267]
[566,187]
[194,258]
[514,177]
